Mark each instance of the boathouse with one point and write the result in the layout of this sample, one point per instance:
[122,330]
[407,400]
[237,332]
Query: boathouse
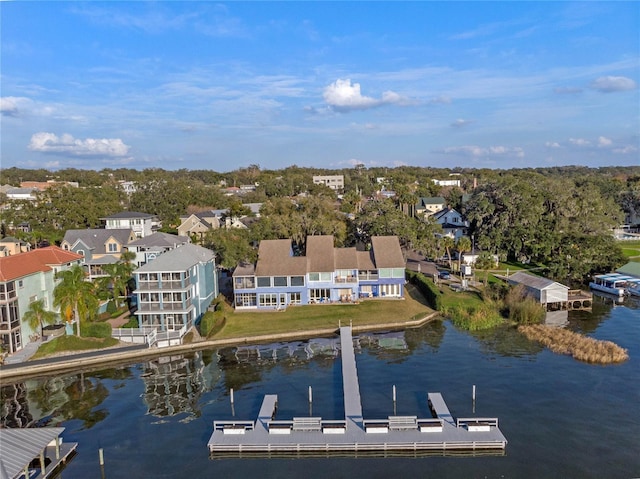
[552,295]
[33,452]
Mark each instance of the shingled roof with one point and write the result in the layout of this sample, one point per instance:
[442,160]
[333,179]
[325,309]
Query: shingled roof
[275,258]
[38,260]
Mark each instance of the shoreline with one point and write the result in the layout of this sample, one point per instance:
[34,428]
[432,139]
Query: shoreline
[111,358]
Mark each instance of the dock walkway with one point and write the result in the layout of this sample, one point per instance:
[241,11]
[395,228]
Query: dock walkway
[354,434]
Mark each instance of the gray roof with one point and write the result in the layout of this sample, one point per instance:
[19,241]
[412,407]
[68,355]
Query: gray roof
[535,282]
[106,259]
[433,200]
[160,240]
[275,258]
[21,446]
[387,252]
[96,238]
[178,259]
[320,257]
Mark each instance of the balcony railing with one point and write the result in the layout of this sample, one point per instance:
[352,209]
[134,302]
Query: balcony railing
[157,307]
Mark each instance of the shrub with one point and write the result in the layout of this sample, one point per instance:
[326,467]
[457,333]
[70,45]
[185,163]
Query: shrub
[111,307]
[427,288]
[474,318]
[132,323]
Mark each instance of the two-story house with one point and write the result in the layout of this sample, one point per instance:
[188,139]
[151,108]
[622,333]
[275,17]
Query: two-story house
[428,206]
[324,275]
[10,245]
[148,248]
[452,222]
[174,290]
[98,246]
[24,278]
[142,224]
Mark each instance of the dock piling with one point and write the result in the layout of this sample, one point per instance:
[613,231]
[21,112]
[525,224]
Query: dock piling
[101,456]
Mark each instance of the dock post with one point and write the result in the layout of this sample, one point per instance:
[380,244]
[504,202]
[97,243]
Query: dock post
[473,398]
[310,395]
[101,456]
[231,395]
[394,400]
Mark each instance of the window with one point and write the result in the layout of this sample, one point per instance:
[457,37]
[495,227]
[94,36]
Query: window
[297,280]
[112,247]
[314,276]
[268,299]
[319,295]
[264,281]
[385,272]
[20,284]
[294,298]
[245,300]
[280,281]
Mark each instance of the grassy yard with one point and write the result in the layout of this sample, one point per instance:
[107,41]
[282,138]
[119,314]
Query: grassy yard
[631,249]
[303,318]
[73,344]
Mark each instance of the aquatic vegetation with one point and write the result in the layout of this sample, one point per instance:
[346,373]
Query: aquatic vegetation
[576,345]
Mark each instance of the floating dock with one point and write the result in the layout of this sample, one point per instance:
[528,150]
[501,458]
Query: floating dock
[439,434]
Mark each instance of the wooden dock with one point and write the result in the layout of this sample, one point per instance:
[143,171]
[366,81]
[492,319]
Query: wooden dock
[354,435]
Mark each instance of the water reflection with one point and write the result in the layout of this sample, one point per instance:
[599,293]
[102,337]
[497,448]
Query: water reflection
[175,384]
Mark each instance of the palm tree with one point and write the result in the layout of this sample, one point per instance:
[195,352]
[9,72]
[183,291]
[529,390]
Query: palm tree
[447,244]
[37,316]
[74,296]
[463,245]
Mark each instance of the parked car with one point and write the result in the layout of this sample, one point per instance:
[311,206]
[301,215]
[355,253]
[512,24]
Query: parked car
[444,275]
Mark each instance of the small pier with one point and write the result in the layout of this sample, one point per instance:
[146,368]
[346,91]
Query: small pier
[354,435]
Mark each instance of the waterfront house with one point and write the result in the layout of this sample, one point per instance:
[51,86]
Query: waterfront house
[98,246]
[25,278]
[326,274]
[142,224]
[176,288]
[148,248]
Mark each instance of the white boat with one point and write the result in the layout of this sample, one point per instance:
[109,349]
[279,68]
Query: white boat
[633,287]
[613,283]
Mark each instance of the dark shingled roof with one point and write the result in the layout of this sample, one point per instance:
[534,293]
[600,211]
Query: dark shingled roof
[320,254]
[275,259]
[387,252]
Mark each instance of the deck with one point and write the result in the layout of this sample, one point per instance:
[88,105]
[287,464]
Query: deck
[354,435]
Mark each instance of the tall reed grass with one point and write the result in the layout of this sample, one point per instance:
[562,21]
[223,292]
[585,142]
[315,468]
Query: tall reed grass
[576,345]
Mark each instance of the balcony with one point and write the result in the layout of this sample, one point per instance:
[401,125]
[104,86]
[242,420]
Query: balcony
[163,285]
[346,279]
[157,307]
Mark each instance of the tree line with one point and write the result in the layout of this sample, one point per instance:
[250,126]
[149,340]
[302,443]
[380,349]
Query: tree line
[560,218]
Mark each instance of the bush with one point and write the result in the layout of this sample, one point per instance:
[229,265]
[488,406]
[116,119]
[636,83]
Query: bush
[132,323]
[522,308]
[95,330]
[427,288]
[474,318]
[212,322]
[111,307]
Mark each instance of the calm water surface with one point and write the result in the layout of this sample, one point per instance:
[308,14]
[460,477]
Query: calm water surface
[562,418]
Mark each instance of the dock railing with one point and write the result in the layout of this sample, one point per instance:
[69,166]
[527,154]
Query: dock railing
[228,426]
[485,421]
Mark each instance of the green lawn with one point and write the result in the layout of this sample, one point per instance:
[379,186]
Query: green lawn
[631,249]
[302,318]
[73,343]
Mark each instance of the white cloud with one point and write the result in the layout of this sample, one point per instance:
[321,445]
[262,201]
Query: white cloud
[481,152]
[579,142]
[625,150]
[342,95]
[68,145]
[609,84]
[552,144]
[460,122]
[13,106]
[604,142]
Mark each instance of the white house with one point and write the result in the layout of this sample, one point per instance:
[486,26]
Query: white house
[142,224]
[452,222]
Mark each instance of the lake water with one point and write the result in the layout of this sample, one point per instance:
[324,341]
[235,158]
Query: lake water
[562,418]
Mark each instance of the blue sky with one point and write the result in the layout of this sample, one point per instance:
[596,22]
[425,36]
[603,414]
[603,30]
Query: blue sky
[203,85]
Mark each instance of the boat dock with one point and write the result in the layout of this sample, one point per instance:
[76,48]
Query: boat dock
[354,434]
